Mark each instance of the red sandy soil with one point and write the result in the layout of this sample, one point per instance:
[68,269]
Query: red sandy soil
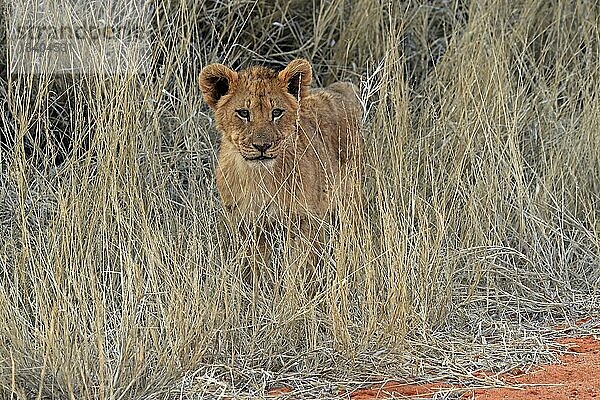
[279,391]
[388,390]
[399,390]
[577,377]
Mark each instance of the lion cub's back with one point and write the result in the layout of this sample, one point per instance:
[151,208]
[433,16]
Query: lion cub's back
[346,92]
[338,113]
[340,99]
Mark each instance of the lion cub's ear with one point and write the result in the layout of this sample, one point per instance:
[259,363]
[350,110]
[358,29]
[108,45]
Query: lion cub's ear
[215,81]
[297,77]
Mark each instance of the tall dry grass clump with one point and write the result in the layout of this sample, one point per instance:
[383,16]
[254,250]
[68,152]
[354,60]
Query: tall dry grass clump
[479,227]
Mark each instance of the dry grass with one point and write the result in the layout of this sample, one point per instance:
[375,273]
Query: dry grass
[481,228]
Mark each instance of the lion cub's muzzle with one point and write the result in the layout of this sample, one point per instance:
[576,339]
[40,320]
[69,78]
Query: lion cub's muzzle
[262,151]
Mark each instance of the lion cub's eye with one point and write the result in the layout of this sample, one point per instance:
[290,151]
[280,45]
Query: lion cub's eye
[243,114]
[276,113]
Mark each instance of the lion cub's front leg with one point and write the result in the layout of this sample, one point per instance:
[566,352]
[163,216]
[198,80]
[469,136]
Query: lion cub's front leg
[305,254]
[255,246]
[298,245]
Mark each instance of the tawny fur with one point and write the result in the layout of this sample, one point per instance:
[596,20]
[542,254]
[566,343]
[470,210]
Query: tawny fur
[315,145]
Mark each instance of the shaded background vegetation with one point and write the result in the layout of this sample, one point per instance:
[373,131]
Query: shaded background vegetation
[480,230]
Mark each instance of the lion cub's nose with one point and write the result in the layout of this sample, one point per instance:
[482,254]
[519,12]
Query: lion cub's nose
[262,147]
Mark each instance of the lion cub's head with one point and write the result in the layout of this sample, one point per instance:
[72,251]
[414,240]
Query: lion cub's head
[255,109]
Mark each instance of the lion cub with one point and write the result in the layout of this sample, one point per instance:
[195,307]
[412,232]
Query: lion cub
[288,153]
